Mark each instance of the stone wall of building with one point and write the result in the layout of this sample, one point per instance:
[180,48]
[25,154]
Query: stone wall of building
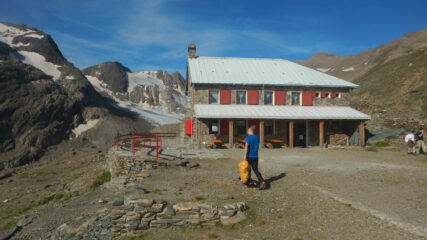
[201,94]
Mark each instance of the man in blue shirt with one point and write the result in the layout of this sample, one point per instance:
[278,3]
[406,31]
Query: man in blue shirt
[251,155]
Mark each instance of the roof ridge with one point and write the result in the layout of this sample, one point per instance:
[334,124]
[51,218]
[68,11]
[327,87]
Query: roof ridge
[243,58]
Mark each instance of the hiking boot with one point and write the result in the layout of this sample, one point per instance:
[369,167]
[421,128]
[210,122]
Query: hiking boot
[263,185]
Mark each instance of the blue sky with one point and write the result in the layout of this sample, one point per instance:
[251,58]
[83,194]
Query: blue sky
[150,35]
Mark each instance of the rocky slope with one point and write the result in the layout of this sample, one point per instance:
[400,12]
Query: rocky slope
[155,95]
[392,79]
[44,99]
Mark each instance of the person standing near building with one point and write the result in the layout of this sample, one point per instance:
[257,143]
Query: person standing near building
[410,140]
[251,155]
[419,137]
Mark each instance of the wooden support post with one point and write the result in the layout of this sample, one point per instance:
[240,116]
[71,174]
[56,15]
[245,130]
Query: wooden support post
[261,133]
[321,132]
[291,133]
[361,133]
[199,131]
[157,148]
[230,133]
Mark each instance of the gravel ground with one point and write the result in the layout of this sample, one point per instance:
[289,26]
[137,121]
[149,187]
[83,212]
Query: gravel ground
[314,194]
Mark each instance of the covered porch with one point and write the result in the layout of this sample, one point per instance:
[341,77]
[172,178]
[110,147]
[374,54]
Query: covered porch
[293,126]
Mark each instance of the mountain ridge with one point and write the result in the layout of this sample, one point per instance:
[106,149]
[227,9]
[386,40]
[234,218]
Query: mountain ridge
[405,59]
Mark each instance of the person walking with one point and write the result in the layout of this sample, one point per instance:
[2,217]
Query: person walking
[419,137]
[410,140]
[251,155]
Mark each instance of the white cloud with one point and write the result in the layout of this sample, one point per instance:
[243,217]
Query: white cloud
[154,25]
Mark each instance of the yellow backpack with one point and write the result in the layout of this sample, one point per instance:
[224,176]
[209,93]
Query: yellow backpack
[244,171]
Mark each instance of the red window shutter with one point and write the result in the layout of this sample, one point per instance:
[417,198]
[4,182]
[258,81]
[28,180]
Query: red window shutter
[254,123]
[224,97]
[188,127]
[307,98]
[323,94]
[333,94]
[223,127]
[252,96]
[279,97]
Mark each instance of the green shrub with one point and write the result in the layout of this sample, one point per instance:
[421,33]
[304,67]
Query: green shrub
[101,179]
[382,144]
[70,195]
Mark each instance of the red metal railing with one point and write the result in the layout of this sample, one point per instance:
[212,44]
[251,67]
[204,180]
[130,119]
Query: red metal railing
[136,142]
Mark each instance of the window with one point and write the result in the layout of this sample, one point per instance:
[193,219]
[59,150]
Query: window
[213,127]
[268,127]
[268,97]
[241,97]
[295,98]
[317,94]
[327,95]
[213,97]
[241,127]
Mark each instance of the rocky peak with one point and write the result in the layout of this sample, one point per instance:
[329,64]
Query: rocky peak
[113,74]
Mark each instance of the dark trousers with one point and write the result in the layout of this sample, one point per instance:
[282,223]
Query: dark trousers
[253,163]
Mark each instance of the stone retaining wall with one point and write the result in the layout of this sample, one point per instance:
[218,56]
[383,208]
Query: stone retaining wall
[137,215]
[138,167]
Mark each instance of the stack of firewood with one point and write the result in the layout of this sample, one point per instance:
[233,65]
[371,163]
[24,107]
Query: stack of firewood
[338,139]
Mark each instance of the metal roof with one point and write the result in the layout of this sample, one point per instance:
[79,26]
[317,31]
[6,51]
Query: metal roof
[217,111]
[258,71]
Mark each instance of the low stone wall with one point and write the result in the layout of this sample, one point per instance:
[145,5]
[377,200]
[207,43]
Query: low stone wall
[138,167]
[133,215]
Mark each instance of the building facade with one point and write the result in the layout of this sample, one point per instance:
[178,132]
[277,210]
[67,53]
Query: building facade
[280,99]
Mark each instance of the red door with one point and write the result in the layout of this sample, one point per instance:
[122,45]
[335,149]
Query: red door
[224,97]
[279,97]
[254,123]
[307,98]
[253,97]
[188,127]
[223,127]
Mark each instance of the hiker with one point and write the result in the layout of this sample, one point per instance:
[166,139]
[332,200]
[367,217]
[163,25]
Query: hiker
[410,139]
[251,155]
[420,146]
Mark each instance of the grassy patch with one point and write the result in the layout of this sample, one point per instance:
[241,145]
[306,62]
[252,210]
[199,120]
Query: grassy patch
[199,198]
[42,174]
[104,177]
[24,175]
[70,195]
[8,225]
[59,196]
[212,236]
[382,144]
[45,200]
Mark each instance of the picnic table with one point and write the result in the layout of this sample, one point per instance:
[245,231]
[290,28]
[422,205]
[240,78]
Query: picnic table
[217,143]
[277,143]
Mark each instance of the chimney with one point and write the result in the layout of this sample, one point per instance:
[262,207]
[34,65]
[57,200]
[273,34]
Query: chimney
[191,50]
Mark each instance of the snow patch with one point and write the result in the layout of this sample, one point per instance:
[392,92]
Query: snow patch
[323,69]
[8,33]
[69,78]
[141,78]
[34,35]
[156,115]
[410,64]
[348,69]
[84,127]
[40,62]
